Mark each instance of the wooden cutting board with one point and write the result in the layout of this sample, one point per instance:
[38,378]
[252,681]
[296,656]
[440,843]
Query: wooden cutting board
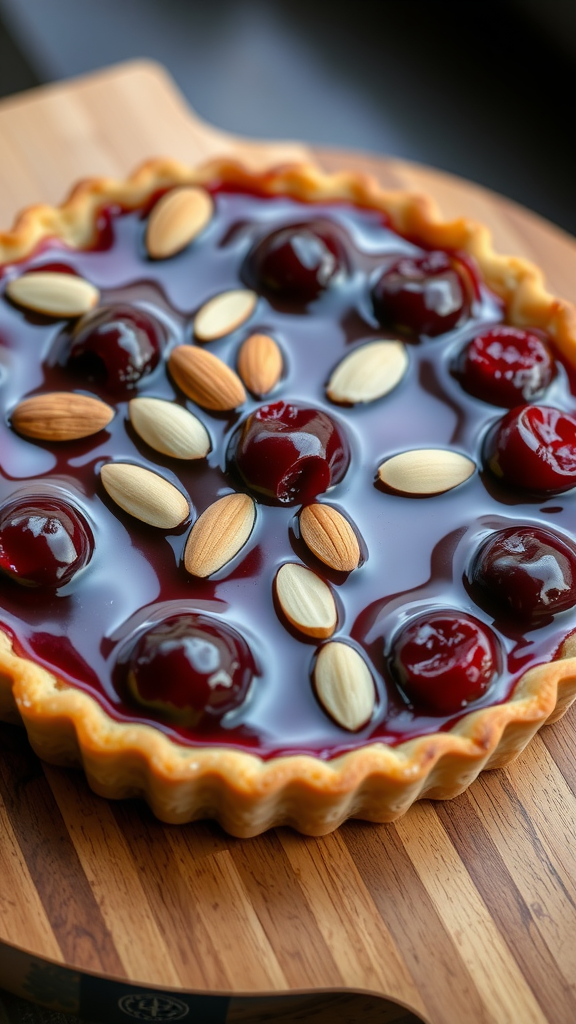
[463,911]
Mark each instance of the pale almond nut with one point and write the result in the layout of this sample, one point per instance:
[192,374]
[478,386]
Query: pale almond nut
[53,294]
[176,220]
[368,373]
[306,600]
[61,416]
[344,685]
[224,313]
[206,379]
[426,471]
[219,534]
[260,364]
[168,428]
[330,537]
[145,495]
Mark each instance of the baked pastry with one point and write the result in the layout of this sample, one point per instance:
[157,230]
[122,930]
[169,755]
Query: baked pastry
[287,471]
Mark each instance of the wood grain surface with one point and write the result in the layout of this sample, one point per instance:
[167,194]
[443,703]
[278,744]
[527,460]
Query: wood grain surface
[463,911]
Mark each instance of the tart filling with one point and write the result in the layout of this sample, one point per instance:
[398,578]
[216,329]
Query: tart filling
[286,495]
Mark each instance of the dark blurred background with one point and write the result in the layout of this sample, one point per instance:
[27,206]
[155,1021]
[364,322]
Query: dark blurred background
[483,89]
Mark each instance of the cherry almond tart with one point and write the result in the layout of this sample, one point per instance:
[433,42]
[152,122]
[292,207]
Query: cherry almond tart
[287,495]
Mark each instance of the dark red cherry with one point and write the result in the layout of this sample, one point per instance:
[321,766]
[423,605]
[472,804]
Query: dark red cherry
[296,262]
[526,570]
[427,294]
[191,669]
[288,453]
[506,366]
[445,660]
[115,346]
[44,541]
[534,447]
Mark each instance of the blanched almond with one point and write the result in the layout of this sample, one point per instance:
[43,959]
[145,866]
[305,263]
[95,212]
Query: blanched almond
[145,495]
[330,537]
[53,294]
[206,379]
[369,372]
[344,685]
[176,219]
[224,313]
[306,600]
[168,428]
[426,471]
[61,416]
[219,534]
[260,364]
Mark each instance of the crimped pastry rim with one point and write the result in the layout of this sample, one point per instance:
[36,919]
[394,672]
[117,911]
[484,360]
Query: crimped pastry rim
[247,793]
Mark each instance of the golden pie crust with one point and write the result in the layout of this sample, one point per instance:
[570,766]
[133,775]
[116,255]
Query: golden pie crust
[246,794]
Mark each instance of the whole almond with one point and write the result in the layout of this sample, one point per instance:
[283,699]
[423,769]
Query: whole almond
[53,294]
[368,373]
[176,220]
[224,313]
[168,428]
[219,534]
[426,471]
[306,600]
[206,379]
[61,416]
[260,364]
[344,685]
[330,537]
[145,495]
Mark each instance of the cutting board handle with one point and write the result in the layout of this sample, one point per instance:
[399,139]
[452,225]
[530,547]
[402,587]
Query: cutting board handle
[150,118]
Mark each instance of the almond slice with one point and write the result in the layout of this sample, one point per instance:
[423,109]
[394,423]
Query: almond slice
[368,373]
[306,600]
[426,471]
[330,537]
[260,364]
[53,294]
[145,495]
[344,685]
[206,379]
[61,416]
[224,313]
[219,534]
[176,219]
[168,428]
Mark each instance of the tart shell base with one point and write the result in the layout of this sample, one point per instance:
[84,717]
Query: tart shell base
[248,795]
[244,793]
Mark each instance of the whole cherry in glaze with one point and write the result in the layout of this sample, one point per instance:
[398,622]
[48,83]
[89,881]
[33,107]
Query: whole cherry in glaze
[444,660]
[191,669]
[288,453]
[427,294]
[506,366]
[526,570]
[296,262]
[44,541]
[115,346]
[534,447]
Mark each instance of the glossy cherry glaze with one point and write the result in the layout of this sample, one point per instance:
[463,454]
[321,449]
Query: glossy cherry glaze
[297,261]
[191,669]
[506,366]
[426,294]
[534,447]
[288,454]
[43,543]
[418,551]
[445,660]
[527,571]
[114,346]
